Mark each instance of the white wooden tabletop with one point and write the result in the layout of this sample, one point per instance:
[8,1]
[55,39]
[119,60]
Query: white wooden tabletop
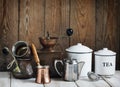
[6,80]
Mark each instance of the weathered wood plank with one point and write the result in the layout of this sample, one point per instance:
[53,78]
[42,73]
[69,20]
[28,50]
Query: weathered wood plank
[56,23]
[9,23]
[85,82]
[5,79]
[82,20]
[115,80]
[60,83]
[31,21]
[8,26]
[57,20]
[118,34]
[106,26]
[24,83]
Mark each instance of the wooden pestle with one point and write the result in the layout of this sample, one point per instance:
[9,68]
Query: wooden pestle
[34,51]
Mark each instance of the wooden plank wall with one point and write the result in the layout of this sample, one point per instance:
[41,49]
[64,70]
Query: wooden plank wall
[8,27]
[107,26]
[95,23]
[118,34]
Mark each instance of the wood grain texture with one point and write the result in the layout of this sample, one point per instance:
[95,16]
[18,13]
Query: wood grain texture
[106,26]
[82,20]
[31,21]
[6,81]
[60,83]
[118,34]
[8,26]
[85,82]
[57,20]
[95,23]
[9,23]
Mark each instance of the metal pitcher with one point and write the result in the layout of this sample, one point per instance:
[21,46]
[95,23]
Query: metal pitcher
[71,69]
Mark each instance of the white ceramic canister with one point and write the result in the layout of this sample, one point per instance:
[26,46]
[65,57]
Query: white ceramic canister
[105,62]
[81,53]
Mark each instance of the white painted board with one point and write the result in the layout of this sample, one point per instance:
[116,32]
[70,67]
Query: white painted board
[24,83]
[4,79]
[115,80]
[85,82]
[60,83]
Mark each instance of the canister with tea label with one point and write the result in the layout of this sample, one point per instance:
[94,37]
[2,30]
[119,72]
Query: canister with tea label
[105,62]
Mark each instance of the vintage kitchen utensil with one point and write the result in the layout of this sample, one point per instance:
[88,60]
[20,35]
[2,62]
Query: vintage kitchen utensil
[42,71]
[26,69]
[13,65]
[21,68]
[37,60]
[48,43]
[43,76]
[21,49]
[95,77]
[71,69]
[81,53]
[105,62]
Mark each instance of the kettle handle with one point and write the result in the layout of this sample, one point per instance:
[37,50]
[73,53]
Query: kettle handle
[55,64]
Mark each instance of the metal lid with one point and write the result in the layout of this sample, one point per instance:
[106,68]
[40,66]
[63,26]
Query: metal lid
[104,51]
[79,48]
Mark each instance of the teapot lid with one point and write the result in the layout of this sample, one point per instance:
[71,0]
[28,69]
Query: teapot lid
[104,51]
[79,48]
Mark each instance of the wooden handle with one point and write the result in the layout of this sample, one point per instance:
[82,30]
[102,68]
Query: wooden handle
[35,54]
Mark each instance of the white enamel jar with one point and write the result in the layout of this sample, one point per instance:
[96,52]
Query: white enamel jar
[105,62]
[81,53]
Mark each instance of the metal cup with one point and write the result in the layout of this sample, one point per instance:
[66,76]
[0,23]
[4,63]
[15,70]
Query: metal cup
[43,76]
[21,49]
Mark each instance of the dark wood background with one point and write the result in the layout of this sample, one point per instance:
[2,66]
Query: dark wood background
[95,23]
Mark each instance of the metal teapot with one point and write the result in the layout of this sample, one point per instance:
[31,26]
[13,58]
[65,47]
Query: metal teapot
[71,69]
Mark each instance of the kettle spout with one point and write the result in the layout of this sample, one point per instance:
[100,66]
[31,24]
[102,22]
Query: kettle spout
[80,66]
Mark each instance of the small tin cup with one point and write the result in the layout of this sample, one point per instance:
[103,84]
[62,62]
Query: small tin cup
[43,76]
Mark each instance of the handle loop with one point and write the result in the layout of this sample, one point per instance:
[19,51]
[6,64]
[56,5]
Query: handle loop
[55,64]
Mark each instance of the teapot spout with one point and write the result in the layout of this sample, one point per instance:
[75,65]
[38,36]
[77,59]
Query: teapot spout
[80,66]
